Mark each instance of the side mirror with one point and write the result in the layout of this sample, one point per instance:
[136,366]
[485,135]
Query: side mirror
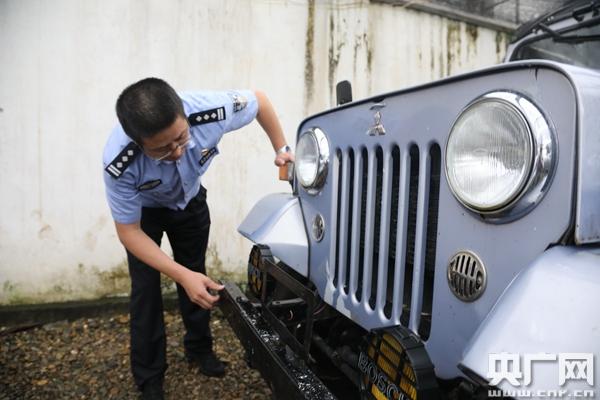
[343,91]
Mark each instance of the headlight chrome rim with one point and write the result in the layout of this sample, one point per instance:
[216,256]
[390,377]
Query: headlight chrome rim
[541,166]
[322,144]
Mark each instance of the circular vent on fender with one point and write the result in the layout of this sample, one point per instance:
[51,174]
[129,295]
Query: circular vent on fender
[467,276]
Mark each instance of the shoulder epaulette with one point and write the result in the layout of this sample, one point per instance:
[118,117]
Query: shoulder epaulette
[206,117]
[123,160]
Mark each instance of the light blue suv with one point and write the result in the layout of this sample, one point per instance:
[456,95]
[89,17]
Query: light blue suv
[442,240]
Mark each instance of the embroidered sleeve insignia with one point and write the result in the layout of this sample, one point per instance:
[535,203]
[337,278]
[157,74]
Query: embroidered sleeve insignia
[207,154]
[239,102]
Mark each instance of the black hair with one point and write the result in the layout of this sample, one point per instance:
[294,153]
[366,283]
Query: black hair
[147,107]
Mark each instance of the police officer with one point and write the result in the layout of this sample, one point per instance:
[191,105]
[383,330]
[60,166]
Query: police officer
[153,163]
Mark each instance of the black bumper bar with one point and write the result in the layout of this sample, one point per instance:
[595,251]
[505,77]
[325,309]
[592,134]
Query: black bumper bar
[286,372]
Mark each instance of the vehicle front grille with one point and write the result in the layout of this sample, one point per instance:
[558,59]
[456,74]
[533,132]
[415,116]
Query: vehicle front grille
[385,205]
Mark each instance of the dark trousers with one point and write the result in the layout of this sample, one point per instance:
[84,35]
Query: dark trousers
[187,231]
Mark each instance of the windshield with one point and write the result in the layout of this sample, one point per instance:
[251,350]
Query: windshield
[566,48]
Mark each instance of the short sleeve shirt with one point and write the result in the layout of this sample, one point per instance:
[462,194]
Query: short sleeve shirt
[134,180]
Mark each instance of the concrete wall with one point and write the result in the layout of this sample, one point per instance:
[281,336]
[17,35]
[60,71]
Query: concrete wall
[63,63]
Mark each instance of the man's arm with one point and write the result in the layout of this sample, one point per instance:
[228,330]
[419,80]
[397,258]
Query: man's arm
[195,284]
[267,118]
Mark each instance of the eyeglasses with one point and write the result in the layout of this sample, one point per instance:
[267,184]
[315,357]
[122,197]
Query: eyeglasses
[159,154]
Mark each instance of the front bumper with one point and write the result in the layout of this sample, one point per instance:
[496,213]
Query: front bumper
[287,374]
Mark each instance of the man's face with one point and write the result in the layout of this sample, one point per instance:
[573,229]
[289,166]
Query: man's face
[168,144]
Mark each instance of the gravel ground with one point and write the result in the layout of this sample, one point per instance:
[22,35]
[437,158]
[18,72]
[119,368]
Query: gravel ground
[89,359]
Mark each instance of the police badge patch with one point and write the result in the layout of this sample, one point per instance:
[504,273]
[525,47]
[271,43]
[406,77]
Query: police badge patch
[239,102]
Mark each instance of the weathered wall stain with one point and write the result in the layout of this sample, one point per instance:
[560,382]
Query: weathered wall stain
[472,36]
[432,71]
[93,283]
[212,257]
[453,49]
[370,47]
[309,72]
[499,40]
[473,33]
[356,48]
[502,40]
[80,283]
[370,55]
[216,270]
[443,44]
[113,281]
[361,41]
[91,236]
[13,293]
[90,240]
[45,232]
[335,49]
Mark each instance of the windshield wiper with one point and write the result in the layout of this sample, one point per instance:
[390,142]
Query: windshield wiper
[576,11]
[561,37]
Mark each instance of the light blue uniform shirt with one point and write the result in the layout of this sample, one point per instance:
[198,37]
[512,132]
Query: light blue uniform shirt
[134,180]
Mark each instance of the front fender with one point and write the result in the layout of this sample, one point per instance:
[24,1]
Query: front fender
[551,307]
[276,221]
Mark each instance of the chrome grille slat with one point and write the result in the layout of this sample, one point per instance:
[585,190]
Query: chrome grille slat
[394,197]
[343,224]
[432,204]
[384,230]
[420,242]
[411,233]
[377,219]
[351,222]
[368,248]
[363,221]
[356,226]
[333,273]
[401,236]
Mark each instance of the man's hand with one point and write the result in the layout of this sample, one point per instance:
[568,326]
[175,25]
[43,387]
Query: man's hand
[282,158]
[197,287]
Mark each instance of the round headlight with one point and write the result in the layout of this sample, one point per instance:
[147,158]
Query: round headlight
[499,148]
[312,159]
